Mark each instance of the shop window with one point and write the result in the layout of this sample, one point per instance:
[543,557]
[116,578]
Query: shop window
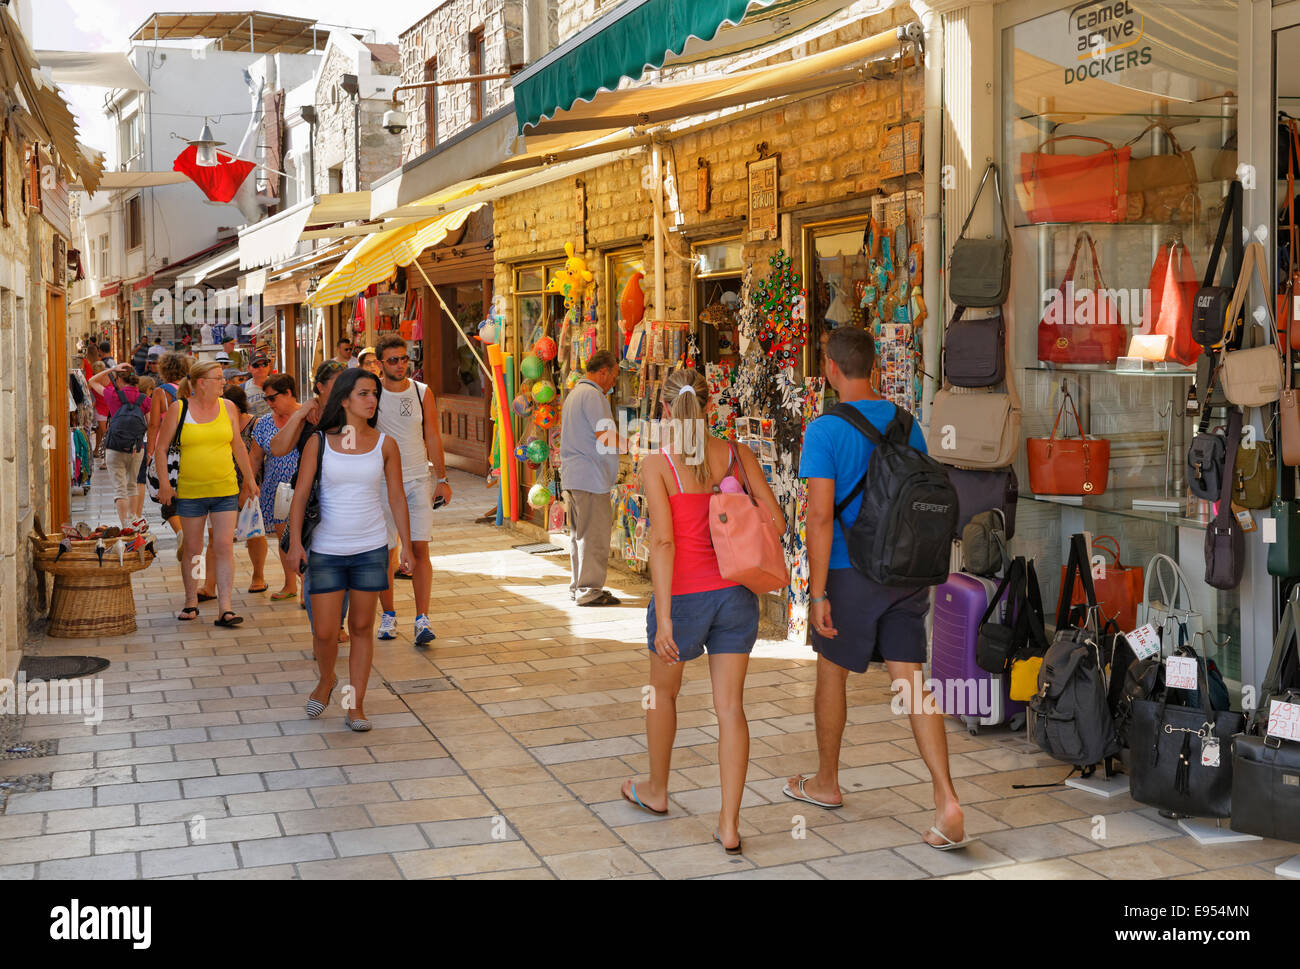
[103,256]
[336,179]
[715,300]
[477,90]
[34,178]
[134,226]
[462,374]
[431,106]
[620,268]
[1118,141]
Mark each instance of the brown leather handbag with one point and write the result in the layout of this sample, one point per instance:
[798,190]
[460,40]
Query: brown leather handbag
[1163,188]
[1068,466]
[1288,415]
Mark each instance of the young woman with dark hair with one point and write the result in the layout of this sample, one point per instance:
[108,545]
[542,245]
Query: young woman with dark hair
[360,472]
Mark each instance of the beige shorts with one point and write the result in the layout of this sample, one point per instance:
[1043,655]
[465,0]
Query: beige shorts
[123,466]
[419,504]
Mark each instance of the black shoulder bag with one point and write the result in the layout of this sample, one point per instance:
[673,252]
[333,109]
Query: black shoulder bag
[311,516]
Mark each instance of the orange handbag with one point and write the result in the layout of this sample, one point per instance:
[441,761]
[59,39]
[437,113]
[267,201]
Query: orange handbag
[1075,188]
[1067,465]
[746,539]
[1119,588]
[1173,287]
[1288,314]
[412,325]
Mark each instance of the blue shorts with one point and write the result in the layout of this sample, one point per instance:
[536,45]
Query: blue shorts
[721,620]
[873,623]
[362,572]
[202,507]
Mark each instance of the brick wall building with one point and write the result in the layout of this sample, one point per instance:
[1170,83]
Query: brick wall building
[377,69]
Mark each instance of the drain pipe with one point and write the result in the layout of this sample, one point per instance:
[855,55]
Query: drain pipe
[930,35]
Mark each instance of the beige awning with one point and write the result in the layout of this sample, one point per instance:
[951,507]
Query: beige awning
[110,69]
[113,181]
[273,240]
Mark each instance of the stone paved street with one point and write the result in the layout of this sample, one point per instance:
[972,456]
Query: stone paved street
[500,751]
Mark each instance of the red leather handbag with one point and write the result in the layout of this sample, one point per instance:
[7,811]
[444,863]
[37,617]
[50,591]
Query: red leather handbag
[1082,325]
[1066,465]
[1173,287]
[1119,588]
[1075,188]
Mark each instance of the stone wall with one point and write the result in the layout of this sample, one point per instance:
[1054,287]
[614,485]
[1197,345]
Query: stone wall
[336,137]
[445,34]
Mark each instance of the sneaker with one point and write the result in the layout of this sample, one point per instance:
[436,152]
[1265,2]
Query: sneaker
[423,633]
[140,525]
[387,626]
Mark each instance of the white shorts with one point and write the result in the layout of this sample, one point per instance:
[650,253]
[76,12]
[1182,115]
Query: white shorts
[419,503]
[123,466]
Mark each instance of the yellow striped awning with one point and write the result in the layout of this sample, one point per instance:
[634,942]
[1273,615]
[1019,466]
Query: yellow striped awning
[375,259]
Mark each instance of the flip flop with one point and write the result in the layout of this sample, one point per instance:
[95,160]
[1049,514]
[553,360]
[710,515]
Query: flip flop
[948,843]
[234,620]
[189,614]
[262,588]
[279,596]
[634,800]
[204,597]
[803,795]
[731,851]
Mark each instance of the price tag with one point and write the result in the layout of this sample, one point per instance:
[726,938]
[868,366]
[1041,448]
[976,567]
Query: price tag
[1270,530]
[1284,720]
[1180,673]
[1144,641]
[1210,752]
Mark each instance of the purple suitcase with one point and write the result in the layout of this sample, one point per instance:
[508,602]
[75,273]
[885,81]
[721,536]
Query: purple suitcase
[963,690]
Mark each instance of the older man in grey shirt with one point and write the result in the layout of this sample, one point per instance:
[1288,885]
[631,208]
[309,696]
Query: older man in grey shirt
[589,470]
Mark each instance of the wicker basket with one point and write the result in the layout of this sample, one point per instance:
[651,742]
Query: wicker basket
[90,598]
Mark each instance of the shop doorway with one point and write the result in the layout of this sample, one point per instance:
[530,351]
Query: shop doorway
[462,389]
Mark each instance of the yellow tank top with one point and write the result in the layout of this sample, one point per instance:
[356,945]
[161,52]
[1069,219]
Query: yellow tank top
[207,463]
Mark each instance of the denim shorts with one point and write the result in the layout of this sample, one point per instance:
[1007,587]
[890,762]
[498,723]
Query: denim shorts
[873,623]
[720,620]
[362,572]
[202,507]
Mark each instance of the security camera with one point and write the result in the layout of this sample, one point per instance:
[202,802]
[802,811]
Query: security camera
[394,121]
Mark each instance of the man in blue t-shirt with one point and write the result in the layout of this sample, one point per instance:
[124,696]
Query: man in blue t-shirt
[871,621]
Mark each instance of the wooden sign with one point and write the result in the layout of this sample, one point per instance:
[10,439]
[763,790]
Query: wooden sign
[901,152]
[763,194]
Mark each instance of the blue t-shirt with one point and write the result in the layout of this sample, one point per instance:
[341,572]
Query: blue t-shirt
[834,448]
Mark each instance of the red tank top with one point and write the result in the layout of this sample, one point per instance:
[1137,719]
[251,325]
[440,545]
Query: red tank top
[695,563]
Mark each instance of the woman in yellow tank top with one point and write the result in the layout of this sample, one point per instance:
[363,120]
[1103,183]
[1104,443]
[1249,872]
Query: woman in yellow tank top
[206,487]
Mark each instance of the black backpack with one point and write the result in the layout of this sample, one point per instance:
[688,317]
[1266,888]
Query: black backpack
[904,530]
[127,426]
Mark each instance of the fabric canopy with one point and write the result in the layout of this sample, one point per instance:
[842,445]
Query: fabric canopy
[217,264]
[274,239]
[377,257]
[91,68]
[119,180]
[638,34]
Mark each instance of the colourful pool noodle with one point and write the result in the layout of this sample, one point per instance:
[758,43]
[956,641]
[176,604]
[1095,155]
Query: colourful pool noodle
[497,361]
[516,468]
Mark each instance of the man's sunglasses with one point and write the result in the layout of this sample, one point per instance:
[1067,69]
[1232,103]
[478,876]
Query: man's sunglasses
[397,360]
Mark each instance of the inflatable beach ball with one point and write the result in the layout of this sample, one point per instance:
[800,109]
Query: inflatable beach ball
[521,405]
[538,451]
[530,368]
[539,496]
[545,416]
[543,391]
[545,349]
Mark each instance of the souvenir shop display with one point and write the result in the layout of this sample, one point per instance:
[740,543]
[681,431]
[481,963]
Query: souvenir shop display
[890,298]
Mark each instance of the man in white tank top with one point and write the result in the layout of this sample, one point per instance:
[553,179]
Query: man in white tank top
[408,415]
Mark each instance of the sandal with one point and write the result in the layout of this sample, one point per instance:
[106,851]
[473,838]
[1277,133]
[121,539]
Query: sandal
[731,851]
[204,597]
[278,596]
[802,795]
[634,800]
[261,588]
[234,620]
[189,614]
[948,843]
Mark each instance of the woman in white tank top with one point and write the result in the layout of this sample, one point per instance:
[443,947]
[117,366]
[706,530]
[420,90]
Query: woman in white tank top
[360,473]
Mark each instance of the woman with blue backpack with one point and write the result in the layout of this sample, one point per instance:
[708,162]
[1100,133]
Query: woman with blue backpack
[119,390]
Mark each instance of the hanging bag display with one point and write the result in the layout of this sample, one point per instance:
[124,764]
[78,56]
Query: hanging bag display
[1180,758]
[746,539]
[979,491]
[1118,589]
[1173,286]
[1069,717]
[1210,309]
[1163,187]
[1288,408]
[1225,542]
[974,350]
[1167,599]
[1250,377]
[1068,466]
[1206,460]
[1075,188]
[1082,325]
[1288,310]
[412,324]
[1254,474]
[977,429]
[1284,551]
[979,270]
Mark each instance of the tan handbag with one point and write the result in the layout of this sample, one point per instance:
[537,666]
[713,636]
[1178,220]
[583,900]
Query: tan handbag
[1252,377]
[978,429]
[1163,188]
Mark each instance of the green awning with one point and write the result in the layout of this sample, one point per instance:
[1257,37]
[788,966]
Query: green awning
[639,34]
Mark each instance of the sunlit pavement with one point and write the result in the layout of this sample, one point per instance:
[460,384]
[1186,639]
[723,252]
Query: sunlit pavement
[499,753]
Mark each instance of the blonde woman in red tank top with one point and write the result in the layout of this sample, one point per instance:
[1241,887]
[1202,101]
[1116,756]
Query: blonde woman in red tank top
[694,609]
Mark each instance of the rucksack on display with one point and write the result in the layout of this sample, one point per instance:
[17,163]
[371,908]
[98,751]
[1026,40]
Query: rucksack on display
[127,426]
[908,517]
